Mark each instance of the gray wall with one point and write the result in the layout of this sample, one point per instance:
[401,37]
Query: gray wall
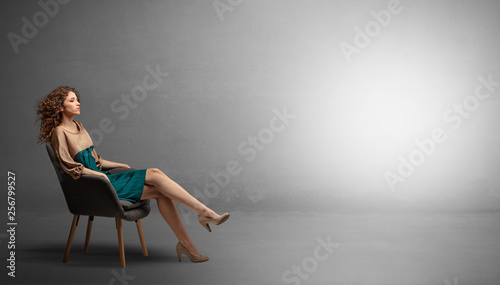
[358,101]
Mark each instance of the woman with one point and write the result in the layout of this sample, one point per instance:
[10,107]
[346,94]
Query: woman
[75,150]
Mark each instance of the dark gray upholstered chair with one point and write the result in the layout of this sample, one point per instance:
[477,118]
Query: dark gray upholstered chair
[95,196]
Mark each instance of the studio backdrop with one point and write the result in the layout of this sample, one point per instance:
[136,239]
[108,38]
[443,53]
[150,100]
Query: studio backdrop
[266,105]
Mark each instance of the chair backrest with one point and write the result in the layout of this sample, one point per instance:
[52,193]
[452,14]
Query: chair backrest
[55,162]
[86,196]
[61,175]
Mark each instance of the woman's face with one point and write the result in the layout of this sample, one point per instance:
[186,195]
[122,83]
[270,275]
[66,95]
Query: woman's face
[71,104]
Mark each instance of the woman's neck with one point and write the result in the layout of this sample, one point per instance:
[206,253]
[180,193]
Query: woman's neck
[67,122]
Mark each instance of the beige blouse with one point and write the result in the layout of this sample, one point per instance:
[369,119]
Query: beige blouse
[67,144]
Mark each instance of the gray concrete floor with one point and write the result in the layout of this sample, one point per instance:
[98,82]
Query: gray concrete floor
[267,248]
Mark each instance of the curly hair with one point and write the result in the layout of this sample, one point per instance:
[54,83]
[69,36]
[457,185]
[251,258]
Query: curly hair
[49,111]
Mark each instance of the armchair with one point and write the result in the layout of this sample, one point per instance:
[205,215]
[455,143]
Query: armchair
[92,196]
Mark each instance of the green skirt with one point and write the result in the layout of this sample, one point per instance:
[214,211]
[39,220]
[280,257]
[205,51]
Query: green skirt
[128,185]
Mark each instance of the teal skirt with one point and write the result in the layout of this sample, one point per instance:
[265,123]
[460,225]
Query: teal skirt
[128,185]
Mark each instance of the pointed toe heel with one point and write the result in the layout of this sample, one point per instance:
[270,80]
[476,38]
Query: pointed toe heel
[182,250]
[205,221]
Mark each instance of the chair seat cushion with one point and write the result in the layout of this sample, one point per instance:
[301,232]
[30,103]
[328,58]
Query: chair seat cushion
[127,205]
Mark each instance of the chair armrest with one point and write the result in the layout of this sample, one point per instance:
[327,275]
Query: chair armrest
[91,195]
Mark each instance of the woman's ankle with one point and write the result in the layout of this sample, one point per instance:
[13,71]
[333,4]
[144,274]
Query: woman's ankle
[189,246]
[207,213]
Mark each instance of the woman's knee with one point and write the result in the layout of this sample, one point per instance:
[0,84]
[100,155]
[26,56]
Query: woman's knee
[152,174]
[155,170]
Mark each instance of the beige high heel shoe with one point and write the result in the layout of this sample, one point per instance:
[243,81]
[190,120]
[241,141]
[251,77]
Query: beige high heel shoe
[181,249]
[204,221]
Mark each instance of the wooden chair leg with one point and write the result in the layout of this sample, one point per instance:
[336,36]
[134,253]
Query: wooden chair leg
[87,237]
[120,241]
[70,238]
[141,237]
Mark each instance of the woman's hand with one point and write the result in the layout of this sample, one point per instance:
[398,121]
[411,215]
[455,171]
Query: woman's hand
[125,165]
[93,172]
[105,176]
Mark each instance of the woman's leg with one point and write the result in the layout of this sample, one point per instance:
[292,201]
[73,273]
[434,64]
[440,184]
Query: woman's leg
[169,188]
[170,214]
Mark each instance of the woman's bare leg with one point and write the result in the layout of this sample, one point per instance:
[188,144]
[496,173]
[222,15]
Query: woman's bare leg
[174,191]
[170,214]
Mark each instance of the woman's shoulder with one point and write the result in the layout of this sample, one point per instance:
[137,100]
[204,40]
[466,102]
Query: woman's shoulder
[56,134]
[60,130]
[78,123]
[57,129]
[81,128]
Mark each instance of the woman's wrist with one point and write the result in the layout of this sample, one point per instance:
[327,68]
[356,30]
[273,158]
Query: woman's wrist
[111,164]
[92,172]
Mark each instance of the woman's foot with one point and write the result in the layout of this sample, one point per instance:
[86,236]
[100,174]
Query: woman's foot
[191,253]
[219,219]
[208,213]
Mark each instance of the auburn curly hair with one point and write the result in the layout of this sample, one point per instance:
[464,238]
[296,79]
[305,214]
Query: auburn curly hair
[49,111]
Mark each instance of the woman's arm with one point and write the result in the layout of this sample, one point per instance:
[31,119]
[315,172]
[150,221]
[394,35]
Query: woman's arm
[111,164]
[85,170]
